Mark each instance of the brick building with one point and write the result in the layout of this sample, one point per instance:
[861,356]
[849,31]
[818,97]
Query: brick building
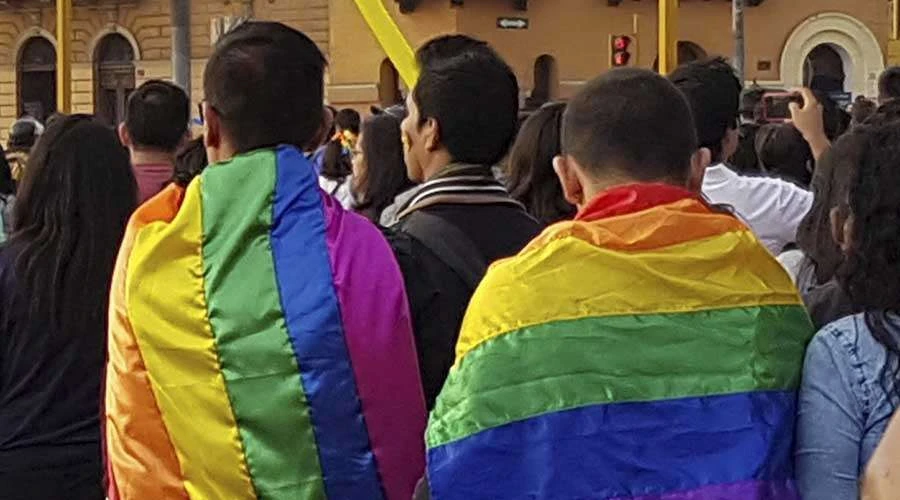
[118,44]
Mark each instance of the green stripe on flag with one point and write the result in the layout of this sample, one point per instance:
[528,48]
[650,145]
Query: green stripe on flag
[258,362]
[570,364]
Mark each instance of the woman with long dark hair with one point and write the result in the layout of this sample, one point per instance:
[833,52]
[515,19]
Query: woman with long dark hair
[532,180]
[74,201]
[851,379]
[379,173]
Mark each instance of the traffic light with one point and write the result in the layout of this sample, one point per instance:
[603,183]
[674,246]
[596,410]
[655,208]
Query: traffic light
[619,50]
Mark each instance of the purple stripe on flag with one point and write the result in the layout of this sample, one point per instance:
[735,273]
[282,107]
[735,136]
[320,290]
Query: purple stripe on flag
[378,333]
[746,490]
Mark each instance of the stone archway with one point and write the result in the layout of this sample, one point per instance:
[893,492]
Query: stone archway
[857,46]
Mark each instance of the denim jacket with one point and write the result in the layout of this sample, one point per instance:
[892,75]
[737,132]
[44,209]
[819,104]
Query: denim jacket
[845,405]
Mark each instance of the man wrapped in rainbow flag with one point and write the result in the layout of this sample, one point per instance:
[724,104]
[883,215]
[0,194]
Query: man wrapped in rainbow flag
[260,342]
[650,349]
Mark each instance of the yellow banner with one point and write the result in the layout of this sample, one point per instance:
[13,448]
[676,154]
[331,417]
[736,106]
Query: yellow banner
[391,39]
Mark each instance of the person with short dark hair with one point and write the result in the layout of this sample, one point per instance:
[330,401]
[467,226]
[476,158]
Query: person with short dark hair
[348,120]
[851,378]
[440,49]
[620,354]
[783,153]
[771,207]
[157,116]
[861,110]
[55,273]
[462,119]
[532,180]
[22,137]
[379,174]
[260,343]
[889,85]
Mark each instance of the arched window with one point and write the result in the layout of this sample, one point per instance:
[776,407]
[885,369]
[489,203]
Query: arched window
[113,77]
[37,78]
[389,85]
[546,82]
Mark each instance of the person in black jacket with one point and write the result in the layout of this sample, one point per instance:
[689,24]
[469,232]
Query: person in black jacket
[462,119]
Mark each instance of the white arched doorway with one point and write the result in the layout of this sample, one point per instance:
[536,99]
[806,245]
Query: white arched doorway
[853,41]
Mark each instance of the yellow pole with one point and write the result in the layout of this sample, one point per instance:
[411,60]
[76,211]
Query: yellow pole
[668,36]
[895,21]
[64,56]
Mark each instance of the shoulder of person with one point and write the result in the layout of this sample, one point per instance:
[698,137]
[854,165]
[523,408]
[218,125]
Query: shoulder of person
[848,344]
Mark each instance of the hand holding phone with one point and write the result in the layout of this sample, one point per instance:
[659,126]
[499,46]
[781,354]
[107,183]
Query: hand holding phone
[777,105]
[808,117]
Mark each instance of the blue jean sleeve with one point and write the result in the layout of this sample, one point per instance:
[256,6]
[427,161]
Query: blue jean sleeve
[829,423]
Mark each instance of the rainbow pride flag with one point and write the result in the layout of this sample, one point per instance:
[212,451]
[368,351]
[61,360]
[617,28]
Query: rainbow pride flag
[260,345]
[649,350]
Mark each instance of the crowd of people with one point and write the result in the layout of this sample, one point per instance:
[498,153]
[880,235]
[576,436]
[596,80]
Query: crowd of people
[648,291]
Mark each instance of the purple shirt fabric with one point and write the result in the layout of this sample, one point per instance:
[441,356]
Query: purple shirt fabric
[151,179]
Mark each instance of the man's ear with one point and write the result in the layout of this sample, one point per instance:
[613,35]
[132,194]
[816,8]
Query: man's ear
[700,160]
[212,127]
[431,135]
[124,136]
[567,171]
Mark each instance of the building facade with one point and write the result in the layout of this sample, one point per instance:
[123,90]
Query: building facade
[553,46]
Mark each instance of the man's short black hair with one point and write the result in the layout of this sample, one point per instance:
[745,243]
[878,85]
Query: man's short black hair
[157,116]
[265,80]
[633,121]
[445,47]
[348,119]
[474,97]
[714,93]
[889,84]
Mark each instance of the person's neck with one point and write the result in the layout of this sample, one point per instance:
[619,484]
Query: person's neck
[436,164]
[151,157]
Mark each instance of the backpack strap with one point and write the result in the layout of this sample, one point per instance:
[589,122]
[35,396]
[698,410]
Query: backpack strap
[449,244]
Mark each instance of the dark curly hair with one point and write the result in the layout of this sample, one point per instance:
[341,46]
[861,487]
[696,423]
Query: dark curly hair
[870,273]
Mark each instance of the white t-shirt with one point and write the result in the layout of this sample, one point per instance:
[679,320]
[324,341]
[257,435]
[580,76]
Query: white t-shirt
[341,193]
[773,208]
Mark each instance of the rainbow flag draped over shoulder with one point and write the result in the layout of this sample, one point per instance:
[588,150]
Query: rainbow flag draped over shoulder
[649,350]
[260,345]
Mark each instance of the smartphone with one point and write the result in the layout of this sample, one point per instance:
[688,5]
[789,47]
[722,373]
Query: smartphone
[776,106]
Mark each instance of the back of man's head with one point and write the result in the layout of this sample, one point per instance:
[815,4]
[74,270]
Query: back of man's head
[157,116]
[633,124]
[445,47]
[714,93]
[889,85]
[474,98]
[265,82]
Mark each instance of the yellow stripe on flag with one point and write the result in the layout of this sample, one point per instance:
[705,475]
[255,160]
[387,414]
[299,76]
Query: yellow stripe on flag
[570,279]
[167,302]
[391,39]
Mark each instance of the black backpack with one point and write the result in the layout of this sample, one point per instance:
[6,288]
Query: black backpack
[449,244]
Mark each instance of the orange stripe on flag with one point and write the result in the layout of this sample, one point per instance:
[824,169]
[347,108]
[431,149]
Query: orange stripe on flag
[654,228]
[131,409]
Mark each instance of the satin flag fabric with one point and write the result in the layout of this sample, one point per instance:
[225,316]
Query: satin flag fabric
[651,349]
[260,345]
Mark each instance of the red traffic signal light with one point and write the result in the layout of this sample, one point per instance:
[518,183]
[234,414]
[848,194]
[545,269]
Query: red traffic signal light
[619,46]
